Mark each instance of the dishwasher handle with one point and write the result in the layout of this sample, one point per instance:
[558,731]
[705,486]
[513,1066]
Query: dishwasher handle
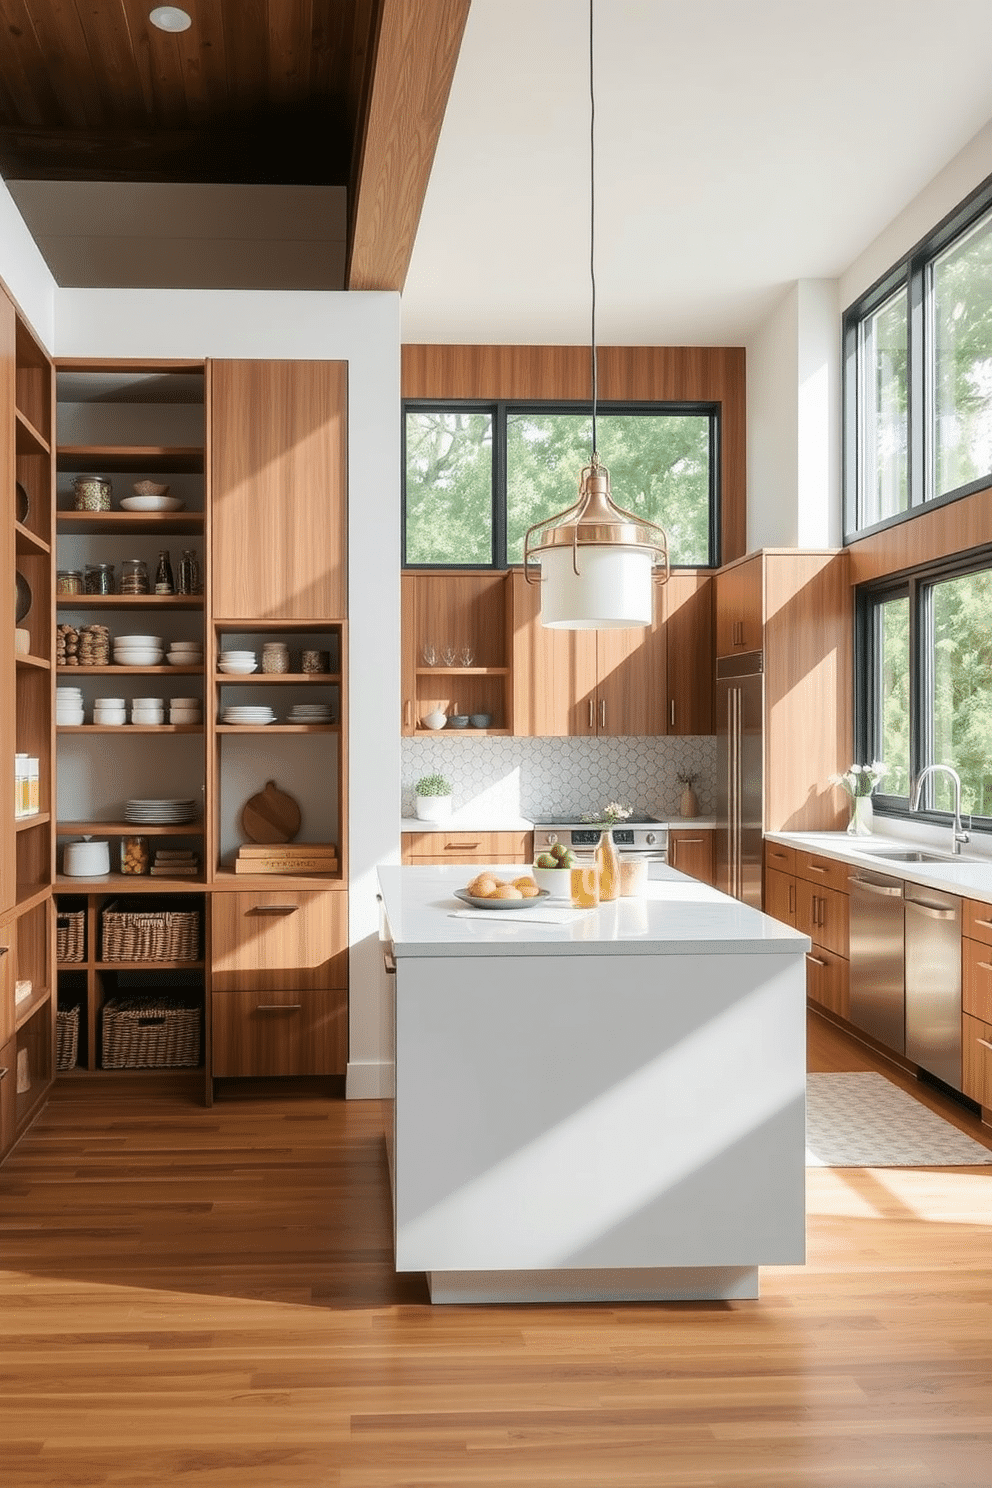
[889,890]
[935,911]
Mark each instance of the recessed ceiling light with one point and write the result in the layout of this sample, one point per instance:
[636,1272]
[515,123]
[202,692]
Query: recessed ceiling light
[170,18]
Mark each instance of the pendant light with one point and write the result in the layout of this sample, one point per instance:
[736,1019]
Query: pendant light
[595,562]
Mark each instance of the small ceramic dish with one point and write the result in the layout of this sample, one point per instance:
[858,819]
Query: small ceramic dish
[138,640]
[458,720]
[151,503]
[481,720]
[467,898]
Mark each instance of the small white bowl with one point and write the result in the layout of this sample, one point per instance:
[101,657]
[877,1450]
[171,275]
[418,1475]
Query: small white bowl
[108,702]
[138,658]
[557,881]
[138,640]
[237,671]
[151,503]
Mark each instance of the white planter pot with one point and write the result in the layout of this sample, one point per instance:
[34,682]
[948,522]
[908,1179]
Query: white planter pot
[433,808]
[557,881]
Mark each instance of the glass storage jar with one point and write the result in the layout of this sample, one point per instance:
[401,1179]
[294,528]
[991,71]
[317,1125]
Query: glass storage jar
[134,576]
[92,493]
[99,578]
[69,581]
[135,855]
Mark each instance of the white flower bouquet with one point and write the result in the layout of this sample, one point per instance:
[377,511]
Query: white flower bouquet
[860,780]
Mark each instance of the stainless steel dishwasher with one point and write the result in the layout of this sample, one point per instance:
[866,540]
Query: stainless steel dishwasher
[877,956]
[933,982]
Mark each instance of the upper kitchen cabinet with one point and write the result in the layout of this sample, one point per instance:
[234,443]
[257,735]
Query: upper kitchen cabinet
[585,683]
[278,440]
[456,647]
[688,609]
[739,607]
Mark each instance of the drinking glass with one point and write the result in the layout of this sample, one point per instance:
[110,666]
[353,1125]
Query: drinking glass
[466,656]
[448,655]
[429,653]
[585,885]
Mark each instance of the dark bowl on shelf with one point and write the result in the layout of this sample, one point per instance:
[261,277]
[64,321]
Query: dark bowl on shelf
[481,720]
[458,720]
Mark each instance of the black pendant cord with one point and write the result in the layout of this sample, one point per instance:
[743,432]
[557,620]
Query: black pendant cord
[592,233]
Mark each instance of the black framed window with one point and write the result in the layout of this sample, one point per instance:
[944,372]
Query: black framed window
[477,475]
[925,684]
[918,376]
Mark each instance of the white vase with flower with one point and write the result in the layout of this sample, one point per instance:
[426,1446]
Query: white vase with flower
[859,781]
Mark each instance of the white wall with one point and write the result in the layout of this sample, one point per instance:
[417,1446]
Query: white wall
[363,330]
[25,273]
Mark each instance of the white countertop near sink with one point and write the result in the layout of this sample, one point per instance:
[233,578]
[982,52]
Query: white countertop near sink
[972,879]
[467,821]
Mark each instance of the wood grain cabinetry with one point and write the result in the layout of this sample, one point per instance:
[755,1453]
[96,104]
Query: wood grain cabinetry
[468,847]
[740,607]
[976,1001]
[688,609]
[809,892]
[279,489]
[584,683]
[456,645]
[693,852]
[976,1060]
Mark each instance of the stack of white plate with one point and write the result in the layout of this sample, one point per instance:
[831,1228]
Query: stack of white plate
[238,663]
[138,650]
[158,812]
[185,710]
[148,710]
[68,705]
[311,713]
[185,653]
[246,715]
[109,710]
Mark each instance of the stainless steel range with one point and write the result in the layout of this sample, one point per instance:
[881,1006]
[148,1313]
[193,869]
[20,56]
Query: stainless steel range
[644,837]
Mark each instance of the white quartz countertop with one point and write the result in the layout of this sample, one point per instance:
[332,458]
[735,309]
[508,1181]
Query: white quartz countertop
[678,916]
[468,822]
[971,879]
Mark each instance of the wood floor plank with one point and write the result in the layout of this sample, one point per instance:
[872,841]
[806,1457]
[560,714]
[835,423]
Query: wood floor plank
[206,1298]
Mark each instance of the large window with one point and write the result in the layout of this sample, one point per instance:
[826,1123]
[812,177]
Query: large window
[477,476]
[926,659]
[918,376]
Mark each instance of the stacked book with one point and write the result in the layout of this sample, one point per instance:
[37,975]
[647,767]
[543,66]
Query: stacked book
[287,857]
[175,864]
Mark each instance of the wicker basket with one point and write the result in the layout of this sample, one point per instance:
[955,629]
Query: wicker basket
[70,934]
[150,1032]
[66,1038]
[150,935]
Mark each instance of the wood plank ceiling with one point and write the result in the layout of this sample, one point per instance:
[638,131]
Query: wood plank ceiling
[315,93]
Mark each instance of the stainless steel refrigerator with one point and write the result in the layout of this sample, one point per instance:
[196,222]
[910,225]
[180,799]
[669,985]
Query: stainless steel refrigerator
[740,710]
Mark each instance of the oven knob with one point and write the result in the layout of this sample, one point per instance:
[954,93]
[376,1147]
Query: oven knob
[552,838]
[651,839]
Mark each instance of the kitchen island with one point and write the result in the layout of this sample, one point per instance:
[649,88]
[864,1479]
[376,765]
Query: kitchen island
[609,1109]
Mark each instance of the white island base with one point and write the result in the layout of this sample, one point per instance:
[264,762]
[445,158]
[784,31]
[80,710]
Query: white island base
[609,1111]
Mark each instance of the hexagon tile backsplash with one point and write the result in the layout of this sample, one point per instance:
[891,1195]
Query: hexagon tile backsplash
[502,777]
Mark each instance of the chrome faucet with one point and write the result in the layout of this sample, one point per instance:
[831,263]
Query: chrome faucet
[958,835]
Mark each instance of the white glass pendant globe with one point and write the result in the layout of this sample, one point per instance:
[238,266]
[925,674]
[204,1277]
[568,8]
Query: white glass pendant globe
[612,590]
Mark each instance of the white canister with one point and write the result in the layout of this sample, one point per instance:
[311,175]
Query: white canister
[633,876]
[86,859]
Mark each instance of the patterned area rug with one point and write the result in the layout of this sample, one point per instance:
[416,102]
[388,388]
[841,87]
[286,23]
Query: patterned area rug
[864,1121]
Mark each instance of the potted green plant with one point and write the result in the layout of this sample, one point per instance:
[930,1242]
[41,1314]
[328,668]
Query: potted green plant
[433,798]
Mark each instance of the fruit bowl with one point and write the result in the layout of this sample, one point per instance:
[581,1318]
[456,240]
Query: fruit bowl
[468,898]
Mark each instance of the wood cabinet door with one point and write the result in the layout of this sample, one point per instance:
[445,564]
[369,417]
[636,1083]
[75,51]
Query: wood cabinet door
[976,1060]
[631,689]
[8,1094]
[739,606]
[408,653]
[278,442]
[780,896]
[286,1032]
[822,914]
[693,853]
[976,979]
[688,608]
[828,981]
[275,940]
[468,847]
[554,672]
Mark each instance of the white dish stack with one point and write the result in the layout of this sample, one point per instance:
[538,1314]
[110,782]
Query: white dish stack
[185,653]
[311,713]
[250,716]
[139,650]
[238,663]
[185,710]
[109,711]
[149,710]
[68,705]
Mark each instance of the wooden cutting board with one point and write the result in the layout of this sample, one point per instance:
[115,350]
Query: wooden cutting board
[271,816]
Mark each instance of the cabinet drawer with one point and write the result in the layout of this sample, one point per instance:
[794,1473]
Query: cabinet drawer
[286,1032]
[269,940]
[822,914]
[976,920]
[828,981]
[470,847]
[781,858]
[976,1060]
[976,979]
[826,872]
[780,896]
[693,853]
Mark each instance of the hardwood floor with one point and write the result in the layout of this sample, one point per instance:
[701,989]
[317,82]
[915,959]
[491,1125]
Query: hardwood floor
[206,1298]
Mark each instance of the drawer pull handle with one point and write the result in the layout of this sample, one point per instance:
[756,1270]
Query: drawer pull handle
[876,888]
[935,911]
[816,868]
[389,962]
[4,1072]
[274,909]
[815,960]
[985,965]
[986,923]
[592,716]
[460,846]
[984,1043]
[672,714]
[278,1007]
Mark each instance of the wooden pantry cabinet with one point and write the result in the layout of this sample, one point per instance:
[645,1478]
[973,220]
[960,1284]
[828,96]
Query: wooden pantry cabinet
[456,645]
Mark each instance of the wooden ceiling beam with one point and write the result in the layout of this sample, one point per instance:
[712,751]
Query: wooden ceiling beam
[414,56]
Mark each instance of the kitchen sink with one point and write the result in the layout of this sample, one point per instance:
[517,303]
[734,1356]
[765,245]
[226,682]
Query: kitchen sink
[914,855]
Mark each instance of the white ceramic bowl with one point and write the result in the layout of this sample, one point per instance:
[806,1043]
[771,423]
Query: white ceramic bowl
[238,656]
[151,503]
[138,656]
[237,670]
[557,881]
[138,640]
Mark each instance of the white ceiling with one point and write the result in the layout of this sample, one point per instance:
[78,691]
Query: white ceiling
[740,146]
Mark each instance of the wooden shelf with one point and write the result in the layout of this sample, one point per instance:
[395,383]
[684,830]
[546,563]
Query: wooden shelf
[29,896]
[126,883]
[113,670]
[25,1011]
[226,878]
[36,819]
[29,543]
[129,728]
[29,440]
[33,661]
[164,458]
[252,679]
[463,671]
[452,733]
[144,965]
[278,728]
[129,601]
[130,524]
[121,828]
